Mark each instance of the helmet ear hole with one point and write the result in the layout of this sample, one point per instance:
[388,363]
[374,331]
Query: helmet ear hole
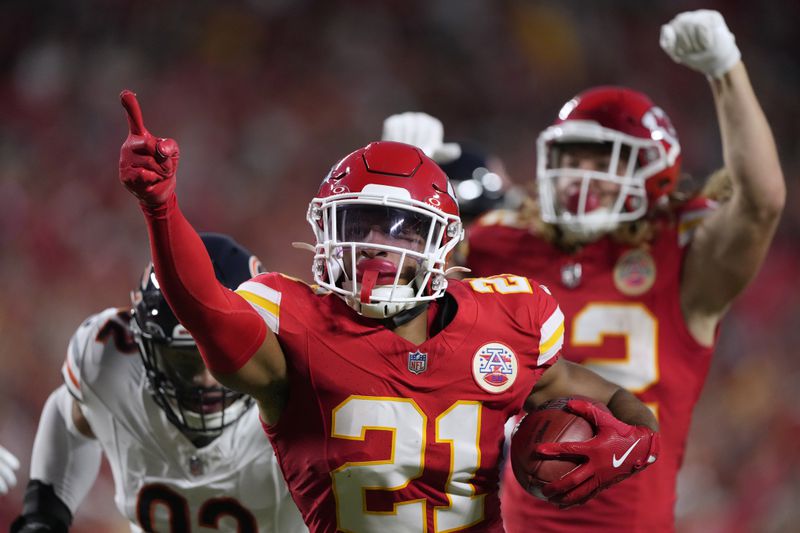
[633,203]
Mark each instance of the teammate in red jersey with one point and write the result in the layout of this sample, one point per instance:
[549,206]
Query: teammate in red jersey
[383,388]
[642,278]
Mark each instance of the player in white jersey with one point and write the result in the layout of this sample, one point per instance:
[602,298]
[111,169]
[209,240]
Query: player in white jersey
[186,453]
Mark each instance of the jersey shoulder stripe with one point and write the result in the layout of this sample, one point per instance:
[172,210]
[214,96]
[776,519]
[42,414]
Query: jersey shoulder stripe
[521,296]
[265,300]
[70,373]
[552,336]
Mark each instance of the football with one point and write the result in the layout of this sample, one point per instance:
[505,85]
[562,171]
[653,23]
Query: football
[549,423]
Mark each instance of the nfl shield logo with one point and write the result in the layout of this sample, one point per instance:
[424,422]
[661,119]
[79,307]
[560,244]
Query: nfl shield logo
[196,467]
[417,362]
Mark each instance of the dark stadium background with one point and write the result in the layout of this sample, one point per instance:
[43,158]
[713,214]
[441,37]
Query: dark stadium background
[264,95]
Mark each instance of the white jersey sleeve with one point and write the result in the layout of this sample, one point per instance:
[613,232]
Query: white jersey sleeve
[62,456]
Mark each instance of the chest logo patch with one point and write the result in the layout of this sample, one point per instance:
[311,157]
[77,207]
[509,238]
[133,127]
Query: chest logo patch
[417,362]
[196,466]
[571,274]
[635,272]
[494,367]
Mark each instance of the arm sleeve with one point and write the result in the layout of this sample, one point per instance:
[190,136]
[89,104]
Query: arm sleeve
[62,457]
[226,328]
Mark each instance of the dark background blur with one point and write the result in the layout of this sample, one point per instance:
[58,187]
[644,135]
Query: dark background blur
[265,95]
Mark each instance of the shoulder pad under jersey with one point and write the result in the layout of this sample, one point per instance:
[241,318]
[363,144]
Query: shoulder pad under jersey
[543,310]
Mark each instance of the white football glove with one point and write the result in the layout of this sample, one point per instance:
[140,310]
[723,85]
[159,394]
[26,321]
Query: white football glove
[423,131]
[702,41]
[8,463]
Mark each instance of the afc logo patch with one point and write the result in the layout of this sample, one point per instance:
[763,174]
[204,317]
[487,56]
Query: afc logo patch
[417,362]
[635,272]
[494,367]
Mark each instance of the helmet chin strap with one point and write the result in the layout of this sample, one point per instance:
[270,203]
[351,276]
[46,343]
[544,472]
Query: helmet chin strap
[407,315]
[383,310]
[403,317]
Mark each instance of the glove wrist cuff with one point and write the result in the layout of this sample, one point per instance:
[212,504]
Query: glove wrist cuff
[655,447]
[724,65]
[42,507]
[161,210]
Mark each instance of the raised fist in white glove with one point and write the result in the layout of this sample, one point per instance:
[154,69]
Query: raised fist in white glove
[8,463]
[423,131]
[702,41]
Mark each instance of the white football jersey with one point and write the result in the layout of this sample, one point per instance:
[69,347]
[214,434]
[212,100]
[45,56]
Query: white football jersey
[163,482]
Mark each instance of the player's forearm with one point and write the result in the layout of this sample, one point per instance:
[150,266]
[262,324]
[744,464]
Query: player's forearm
[566,378]
[748,146]
[227,330]
[62,457]
[628,408]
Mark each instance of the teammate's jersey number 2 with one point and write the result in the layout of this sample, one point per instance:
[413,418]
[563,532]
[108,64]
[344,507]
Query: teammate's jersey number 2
[156,497]
[638,369]
[458,426]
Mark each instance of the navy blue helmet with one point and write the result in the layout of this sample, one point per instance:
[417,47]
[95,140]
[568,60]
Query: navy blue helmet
[477,188]
[177,378]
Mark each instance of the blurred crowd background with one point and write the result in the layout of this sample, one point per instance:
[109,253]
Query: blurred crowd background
[265,95]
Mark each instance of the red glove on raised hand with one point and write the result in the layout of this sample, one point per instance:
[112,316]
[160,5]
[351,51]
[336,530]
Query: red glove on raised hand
[147,165]
[617,451]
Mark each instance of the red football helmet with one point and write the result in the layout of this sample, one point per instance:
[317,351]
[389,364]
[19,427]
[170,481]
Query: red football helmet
[642,154]
[385,200]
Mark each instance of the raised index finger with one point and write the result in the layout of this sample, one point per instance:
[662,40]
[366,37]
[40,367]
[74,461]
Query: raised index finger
[131,105]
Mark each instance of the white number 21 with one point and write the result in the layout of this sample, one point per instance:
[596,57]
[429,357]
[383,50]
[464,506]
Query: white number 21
[458,426]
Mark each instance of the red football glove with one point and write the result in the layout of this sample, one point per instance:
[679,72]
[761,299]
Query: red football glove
[147,164]
[617,451]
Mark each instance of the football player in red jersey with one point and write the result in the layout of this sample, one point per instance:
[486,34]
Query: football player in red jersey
[642,277]
[383,388]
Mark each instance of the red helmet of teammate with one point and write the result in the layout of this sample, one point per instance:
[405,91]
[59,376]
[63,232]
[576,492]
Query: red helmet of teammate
[385,220]
[641,162]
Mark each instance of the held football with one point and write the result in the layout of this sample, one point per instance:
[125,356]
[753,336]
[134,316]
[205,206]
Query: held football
[549,423]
